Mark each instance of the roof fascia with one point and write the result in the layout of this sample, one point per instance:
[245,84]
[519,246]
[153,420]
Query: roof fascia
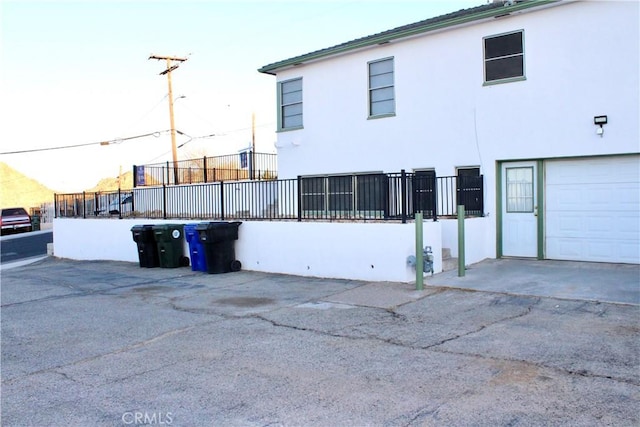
[395,35]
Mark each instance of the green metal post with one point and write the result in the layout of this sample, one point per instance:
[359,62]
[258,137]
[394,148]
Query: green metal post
[419,253]
[461,241]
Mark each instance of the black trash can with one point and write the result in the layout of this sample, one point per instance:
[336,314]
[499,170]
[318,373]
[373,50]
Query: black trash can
[218,239]
[147,248]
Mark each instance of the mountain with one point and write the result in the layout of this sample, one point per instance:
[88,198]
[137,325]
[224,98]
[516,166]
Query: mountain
[18,190]
[125,183]
[111,184]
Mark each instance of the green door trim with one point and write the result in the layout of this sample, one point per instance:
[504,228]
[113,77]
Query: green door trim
[499,209]
[540,207]
[540,196]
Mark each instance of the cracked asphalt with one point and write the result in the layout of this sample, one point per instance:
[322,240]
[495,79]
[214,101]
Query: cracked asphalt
[112,344]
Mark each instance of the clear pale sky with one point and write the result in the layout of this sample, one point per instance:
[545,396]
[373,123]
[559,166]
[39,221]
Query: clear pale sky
[77,72]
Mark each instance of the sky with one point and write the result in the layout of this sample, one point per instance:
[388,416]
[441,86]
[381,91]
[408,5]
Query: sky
[79,73]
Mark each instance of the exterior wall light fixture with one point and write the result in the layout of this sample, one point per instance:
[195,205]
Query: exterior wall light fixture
[600,121]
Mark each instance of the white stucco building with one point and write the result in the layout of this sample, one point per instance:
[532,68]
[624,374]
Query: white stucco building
[539,97]
[527,110]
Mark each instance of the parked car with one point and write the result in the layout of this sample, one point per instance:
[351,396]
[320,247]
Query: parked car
[15,220]
[126,204]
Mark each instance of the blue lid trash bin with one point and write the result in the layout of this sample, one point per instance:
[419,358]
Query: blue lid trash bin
[219,239]
[196,249]
[147,248]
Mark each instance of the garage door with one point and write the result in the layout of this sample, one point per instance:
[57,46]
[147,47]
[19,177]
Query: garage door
[593,209]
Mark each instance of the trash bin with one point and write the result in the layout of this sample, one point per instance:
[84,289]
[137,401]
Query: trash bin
[147,248]
[196,249]
[170,242]
[35,223]
[219,239]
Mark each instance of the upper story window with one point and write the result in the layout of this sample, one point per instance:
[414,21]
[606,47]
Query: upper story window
[381,92]
[504,57]
[290,104]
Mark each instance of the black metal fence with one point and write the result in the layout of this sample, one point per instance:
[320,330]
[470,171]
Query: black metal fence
[234,167]
[357,197]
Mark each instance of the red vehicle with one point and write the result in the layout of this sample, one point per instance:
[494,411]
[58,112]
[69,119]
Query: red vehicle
[15,220]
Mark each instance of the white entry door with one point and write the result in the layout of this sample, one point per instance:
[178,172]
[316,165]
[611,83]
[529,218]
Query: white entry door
[519,210]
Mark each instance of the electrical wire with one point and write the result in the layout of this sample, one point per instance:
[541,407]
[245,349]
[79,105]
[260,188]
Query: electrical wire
[107,142]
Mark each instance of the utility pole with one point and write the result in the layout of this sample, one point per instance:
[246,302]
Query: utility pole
[170,68]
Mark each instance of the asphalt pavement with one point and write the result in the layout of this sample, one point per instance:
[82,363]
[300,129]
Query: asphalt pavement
[110,343]
[15,247]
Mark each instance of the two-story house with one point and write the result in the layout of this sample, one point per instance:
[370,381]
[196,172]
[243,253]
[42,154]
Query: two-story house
[541,98]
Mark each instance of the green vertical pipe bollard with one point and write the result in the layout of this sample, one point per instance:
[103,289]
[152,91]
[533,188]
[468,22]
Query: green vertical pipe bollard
[419,254]
[461,241]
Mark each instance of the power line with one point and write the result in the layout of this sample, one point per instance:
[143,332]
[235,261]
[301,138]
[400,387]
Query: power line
[108,142]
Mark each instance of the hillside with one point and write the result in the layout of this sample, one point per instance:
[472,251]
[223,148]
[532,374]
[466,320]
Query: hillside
[111,184]
[126,183]
[18,190]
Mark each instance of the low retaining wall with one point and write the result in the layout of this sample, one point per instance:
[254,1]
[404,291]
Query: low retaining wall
[359,251]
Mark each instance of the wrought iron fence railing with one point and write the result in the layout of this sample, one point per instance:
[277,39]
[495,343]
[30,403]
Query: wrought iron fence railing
[234,167]
[354,197]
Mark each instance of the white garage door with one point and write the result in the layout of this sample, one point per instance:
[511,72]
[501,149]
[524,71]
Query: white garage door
[593,209]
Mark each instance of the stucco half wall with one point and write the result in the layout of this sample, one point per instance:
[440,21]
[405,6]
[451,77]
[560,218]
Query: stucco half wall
[360,251]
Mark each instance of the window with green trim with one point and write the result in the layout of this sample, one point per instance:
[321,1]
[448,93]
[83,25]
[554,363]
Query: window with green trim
[504,57]
[345,196]
[381,90]
[290,108]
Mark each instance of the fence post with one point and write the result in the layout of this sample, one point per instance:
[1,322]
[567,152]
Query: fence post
[204,165]
[84,205]
[135,176]
[461,241]
[434,193]
[299,196]
[168,179]
[222,200]
[482,195]
[164,201]
[251,171]
[119,204]
[55,205]
[403,195]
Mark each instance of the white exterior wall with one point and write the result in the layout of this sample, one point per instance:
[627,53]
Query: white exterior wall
[362,251]
[479,242]
[581,60]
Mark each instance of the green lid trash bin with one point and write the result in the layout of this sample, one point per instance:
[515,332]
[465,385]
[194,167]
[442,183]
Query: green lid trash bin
[35,223]
[170,242]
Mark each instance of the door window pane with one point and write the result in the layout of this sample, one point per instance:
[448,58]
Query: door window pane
[519,189]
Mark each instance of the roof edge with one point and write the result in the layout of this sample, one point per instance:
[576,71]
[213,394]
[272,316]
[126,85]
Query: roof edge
[402,32]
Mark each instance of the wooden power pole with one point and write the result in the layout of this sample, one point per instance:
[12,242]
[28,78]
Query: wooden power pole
[170,67]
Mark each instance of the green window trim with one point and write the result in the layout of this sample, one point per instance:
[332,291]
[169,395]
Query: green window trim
[381,88]
[290,104]
[354,196]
